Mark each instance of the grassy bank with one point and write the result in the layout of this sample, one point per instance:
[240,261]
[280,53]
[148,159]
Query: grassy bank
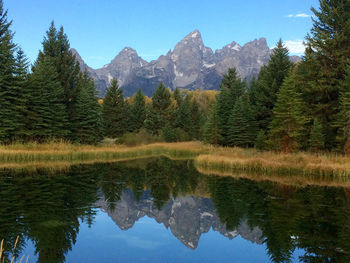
[234,160]
[58,152]
[208,159]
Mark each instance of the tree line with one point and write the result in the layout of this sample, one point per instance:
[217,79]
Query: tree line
[288,107]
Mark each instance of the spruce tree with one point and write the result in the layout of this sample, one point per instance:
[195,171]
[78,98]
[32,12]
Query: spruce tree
[344,114]
[114,111]
[329,50]
[47,115]
[153,120]
[264,91]
[11,101]
[56,46]
[138,111]
[87,122]
[261,141]
[317,140]
[231,88]
[183,116]
[242,126]
[288,126]
[212,133]
[159,112]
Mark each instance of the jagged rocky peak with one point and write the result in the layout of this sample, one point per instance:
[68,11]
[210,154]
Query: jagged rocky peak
[128,56]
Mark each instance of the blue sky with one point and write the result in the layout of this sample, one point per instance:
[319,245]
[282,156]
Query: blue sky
[100,29]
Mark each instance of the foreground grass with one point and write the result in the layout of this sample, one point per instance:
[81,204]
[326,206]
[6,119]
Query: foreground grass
[208,159]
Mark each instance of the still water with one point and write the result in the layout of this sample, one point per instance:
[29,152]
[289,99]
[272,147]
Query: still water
[159,210]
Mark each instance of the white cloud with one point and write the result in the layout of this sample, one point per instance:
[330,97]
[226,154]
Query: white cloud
[296,47]
[298,15]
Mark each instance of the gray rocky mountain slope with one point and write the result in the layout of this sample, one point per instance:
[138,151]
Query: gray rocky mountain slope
[191,65]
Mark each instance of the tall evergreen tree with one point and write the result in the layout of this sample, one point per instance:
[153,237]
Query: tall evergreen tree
[183,115]
[287,130]
[159,112]
[87,122]
[10,93]
[47,115]
[138,111]
[231,88]
[242,124]
[344,114]
[316,140]
[114,111]
[212,133]
[56,46]
[264,91]
[329,50]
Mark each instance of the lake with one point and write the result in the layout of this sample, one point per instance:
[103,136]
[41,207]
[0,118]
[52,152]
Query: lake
[161,210]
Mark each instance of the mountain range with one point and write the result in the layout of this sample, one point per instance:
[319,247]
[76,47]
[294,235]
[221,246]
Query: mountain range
[190,65]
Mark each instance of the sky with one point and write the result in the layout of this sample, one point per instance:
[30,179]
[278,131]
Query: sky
[100,29]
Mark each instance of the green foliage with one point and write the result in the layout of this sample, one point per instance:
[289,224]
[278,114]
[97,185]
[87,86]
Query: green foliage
[212,133]
[317,140]
[327,56]
[87,122]
[138,138]
[288,125]
[161,99]
[261,141]
[47,115]
[153,120]
[57,47]
[264,91]
[114,112]
[12,102]
[231,88]
[242,126]
[168,133]
[138,111]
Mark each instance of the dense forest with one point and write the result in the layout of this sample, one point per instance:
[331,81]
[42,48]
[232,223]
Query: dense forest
[288,107]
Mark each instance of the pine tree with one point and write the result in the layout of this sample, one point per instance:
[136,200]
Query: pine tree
[114,111]
[264,91]
[153,120]
[57,47]
[87,121]
[47,116]
[344,114]
[138,111]
[196,118]
[159,113]
[261,141]
[22,84]
[288,126]
[212,133]
[10,93]
[329,50]
[231,88]
[161,98]
[317,140]
[183,115]
[168,133]
[242,125]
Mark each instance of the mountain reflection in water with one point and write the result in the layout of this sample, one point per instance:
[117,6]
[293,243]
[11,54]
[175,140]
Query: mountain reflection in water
[46,209]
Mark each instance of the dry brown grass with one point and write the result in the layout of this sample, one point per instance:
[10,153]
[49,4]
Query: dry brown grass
[219,160]
[266,163]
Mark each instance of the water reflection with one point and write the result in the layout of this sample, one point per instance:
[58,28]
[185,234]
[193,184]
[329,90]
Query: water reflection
[48,208]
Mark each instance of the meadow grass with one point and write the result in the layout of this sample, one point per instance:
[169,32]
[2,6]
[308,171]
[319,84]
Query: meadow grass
[218,160]
[233,160]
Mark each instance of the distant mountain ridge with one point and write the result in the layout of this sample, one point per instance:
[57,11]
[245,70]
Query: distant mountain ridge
[191,65]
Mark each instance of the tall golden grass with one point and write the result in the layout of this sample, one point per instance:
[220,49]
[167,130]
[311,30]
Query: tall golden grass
[61,151]
[220,160]
[13,258]
[271,163]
